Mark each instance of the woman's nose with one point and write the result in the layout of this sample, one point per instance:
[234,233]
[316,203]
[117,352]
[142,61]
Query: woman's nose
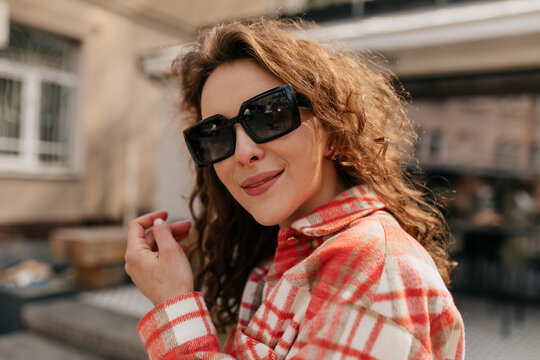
[246,150]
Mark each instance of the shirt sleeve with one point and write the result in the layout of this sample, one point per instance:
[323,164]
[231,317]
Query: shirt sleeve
[352,331]
[181,328]
[178,329]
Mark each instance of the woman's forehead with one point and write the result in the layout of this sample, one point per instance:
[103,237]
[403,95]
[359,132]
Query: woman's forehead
[230,84]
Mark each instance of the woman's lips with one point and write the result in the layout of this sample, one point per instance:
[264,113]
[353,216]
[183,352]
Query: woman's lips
[259,183]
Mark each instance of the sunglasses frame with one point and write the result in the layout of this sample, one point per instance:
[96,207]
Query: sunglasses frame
[239,119]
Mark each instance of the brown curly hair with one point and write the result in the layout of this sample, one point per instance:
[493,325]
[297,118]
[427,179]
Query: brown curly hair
[371,138]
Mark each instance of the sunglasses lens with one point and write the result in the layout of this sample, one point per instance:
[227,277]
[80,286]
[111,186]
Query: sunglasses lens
[269,116]
[211,139]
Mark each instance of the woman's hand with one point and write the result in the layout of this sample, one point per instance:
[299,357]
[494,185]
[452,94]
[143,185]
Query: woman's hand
[155,261]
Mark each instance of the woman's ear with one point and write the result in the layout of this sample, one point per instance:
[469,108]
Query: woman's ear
[328,151]
[328,148]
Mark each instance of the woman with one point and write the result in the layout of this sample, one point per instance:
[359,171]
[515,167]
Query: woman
[312,240]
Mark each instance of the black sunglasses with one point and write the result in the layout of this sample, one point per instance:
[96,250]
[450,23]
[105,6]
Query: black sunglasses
[264,117]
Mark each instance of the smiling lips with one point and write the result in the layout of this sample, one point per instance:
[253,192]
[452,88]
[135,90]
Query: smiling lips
[259,183]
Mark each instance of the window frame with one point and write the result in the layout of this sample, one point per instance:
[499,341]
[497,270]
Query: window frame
[27,162]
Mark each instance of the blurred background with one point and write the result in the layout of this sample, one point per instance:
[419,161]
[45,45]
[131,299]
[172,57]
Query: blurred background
[90,137]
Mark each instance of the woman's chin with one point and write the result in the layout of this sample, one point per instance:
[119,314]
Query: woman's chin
[283,220]
[266,219]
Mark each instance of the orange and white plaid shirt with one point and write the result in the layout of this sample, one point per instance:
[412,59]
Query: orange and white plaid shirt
[346,282]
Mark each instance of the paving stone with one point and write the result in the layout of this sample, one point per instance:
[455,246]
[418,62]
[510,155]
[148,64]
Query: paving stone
[126,300]
[24,345]
[102,332]
[500,331]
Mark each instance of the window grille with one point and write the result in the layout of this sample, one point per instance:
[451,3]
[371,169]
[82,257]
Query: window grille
[10,116]
[38,84]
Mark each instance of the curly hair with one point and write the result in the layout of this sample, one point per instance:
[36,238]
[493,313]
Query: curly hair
[371,138]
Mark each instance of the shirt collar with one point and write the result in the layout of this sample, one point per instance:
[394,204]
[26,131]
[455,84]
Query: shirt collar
[308,232]
[350,205]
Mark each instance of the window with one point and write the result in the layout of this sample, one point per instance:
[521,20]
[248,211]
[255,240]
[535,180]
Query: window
[435,147]
[464,147]
[428,147]
[537,112]
[38,84]
[535,157]
[507,153]
[10,115]
[420,145]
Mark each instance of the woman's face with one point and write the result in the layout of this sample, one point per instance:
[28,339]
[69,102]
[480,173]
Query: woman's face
[280,180]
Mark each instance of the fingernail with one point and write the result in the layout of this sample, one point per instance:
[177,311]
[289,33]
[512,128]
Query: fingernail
[158,221]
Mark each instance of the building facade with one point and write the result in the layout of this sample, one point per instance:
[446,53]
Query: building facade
[90,131]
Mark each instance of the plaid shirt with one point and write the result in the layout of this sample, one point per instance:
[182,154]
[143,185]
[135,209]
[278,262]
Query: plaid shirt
[346,282]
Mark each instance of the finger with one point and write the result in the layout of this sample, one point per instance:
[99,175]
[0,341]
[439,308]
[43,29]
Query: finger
[138,226]
[180,227]
[181,236]
[136,239]
[150,241]
[167,245]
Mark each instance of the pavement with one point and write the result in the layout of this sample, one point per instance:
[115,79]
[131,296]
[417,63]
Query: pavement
[499,330]
[25,345]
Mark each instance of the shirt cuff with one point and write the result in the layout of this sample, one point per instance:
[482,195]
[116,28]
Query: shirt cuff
[176,322]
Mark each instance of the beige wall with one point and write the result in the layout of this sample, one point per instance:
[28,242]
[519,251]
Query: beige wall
[117,107]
